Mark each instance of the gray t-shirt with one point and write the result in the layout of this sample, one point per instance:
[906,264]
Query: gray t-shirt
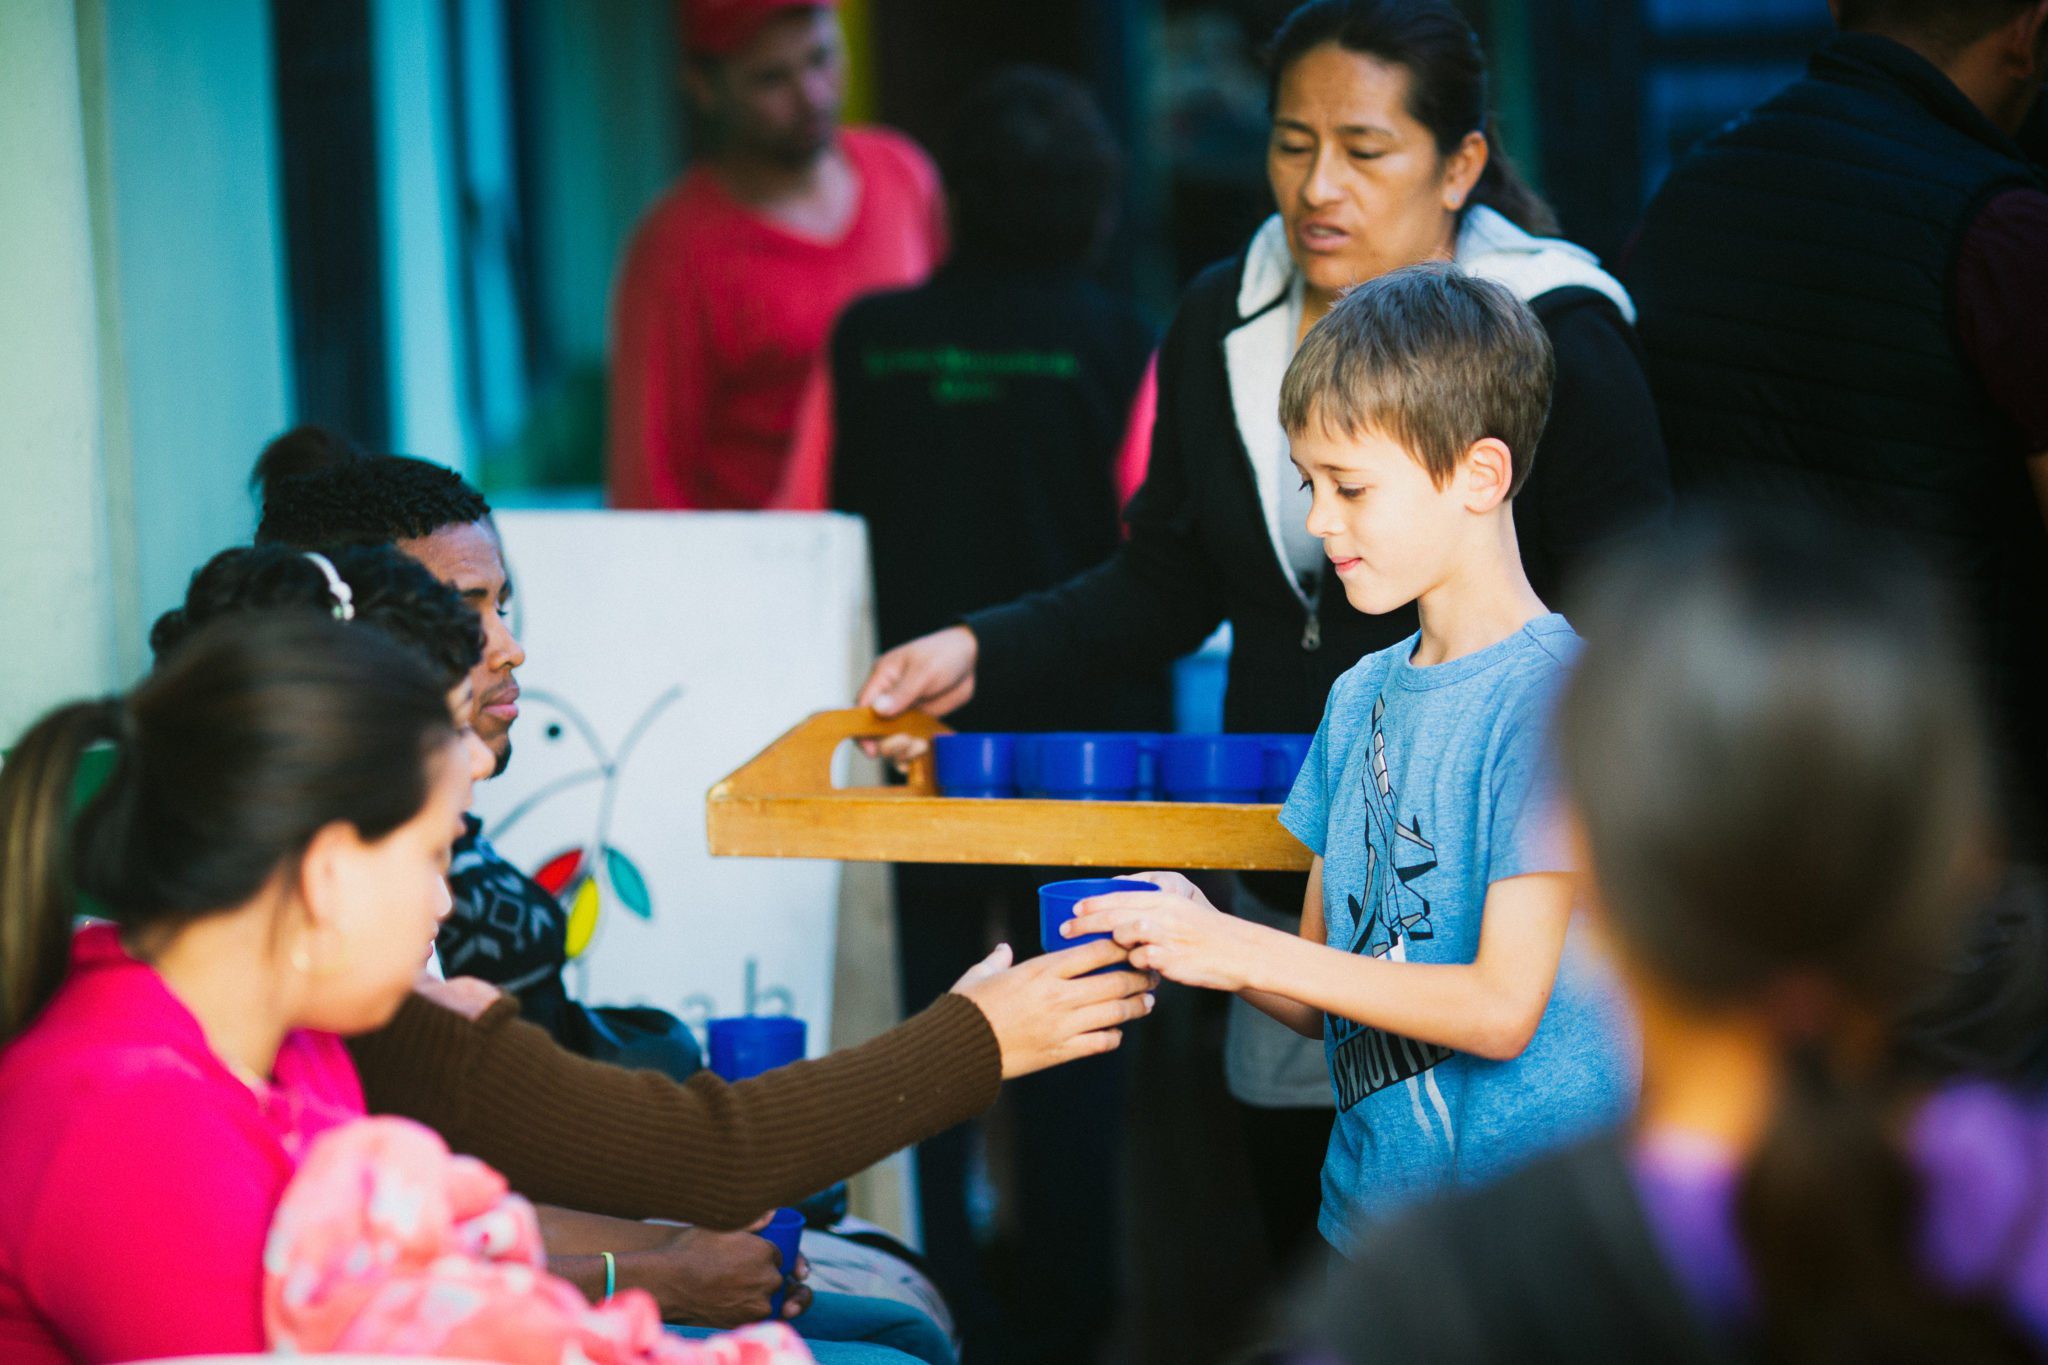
[1424,787]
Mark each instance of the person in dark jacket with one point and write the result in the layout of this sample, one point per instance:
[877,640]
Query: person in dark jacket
[1774,769]
[1380,158]
[977,423]
[1844,299]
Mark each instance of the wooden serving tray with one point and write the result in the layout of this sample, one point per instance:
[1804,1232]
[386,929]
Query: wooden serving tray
[782,804]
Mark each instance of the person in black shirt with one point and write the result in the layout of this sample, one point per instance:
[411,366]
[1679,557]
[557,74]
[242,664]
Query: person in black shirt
[977,423]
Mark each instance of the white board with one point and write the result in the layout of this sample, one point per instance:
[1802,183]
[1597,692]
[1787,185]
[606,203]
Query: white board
[664,649]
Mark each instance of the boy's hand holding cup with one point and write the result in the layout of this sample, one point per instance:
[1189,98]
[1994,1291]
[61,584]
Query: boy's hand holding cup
[1173,931]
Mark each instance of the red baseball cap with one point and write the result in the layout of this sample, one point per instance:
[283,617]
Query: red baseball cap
[718,27]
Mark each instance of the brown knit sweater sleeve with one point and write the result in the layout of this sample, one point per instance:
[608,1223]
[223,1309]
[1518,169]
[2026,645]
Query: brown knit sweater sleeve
[636,1144]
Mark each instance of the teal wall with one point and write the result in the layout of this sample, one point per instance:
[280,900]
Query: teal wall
[56,576]
[144,324]
[192,262]
[417,193]
[142,333]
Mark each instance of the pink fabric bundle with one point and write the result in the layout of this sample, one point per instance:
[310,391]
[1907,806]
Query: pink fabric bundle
[385,1241]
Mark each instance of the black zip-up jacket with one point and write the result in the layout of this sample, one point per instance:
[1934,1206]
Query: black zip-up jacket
[1199,551]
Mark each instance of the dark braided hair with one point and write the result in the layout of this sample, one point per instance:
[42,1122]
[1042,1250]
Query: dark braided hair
[319,490]
[391,594]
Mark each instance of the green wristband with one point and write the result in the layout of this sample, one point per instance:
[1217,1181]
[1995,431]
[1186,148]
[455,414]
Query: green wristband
[611,1276]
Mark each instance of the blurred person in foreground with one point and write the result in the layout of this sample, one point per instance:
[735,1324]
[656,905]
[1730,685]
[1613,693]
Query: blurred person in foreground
[1775,778]
[734,277]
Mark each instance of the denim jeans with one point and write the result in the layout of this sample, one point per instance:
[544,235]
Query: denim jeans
[842,1329]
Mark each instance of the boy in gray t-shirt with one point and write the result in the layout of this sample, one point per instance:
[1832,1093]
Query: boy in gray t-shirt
[1467,1028]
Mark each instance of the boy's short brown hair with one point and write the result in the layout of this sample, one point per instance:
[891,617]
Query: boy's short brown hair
[1431,357]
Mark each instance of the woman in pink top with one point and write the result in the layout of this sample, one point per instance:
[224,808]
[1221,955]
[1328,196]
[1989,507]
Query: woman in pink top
[270,847]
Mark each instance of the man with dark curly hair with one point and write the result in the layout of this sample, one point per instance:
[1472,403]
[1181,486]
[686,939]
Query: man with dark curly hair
[319,491]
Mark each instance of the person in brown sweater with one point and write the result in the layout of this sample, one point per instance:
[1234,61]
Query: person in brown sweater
[590,1136]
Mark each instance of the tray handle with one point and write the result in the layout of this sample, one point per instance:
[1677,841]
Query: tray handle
[800,762]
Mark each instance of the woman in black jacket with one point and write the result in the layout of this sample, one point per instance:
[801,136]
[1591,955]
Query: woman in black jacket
[1380,158]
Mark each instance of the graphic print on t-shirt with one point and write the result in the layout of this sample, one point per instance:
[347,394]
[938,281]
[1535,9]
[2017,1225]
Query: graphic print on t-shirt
[1391,911]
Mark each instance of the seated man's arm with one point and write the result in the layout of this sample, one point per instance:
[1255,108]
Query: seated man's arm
[698,1277]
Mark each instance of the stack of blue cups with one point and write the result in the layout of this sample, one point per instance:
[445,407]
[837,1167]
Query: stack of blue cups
[1241,769]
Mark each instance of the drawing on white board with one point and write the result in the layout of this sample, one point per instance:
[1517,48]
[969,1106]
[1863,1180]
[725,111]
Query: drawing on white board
[594,874]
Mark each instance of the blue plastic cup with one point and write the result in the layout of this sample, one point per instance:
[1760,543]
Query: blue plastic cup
[785,1230]
[1284,755]
[1148,762]
[1026,750]
[976,765]
[1212,767]
[1149,746]
[748,1044]
[1088,767]
[1056,902]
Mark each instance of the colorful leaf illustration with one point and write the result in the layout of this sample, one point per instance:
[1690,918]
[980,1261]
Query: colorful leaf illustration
[557,872]
[583,917]
[627,881]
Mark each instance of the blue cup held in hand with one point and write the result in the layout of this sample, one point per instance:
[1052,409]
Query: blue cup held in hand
[748,1044]
[785,1229]
[1056,902]
[976,765]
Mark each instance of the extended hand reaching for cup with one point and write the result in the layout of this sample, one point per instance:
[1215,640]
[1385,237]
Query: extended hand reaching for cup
[1173,931]
[1048,1009]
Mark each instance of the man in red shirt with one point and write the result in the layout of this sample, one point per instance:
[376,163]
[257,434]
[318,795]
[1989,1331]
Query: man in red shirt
[734,278]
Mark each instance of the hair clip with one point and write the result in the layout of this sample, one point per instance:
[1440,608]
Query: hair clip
[337,587]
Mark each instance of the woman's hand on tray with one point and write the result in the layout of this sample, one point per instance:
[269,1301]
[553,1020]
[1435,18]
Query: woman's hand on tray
[1048,1010]
[1173,931]
[933,673]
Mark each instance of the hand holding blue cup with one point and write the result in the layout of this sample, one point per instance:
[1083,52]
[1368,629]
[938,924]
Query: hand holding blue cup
[1057,901]
[785,1231]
